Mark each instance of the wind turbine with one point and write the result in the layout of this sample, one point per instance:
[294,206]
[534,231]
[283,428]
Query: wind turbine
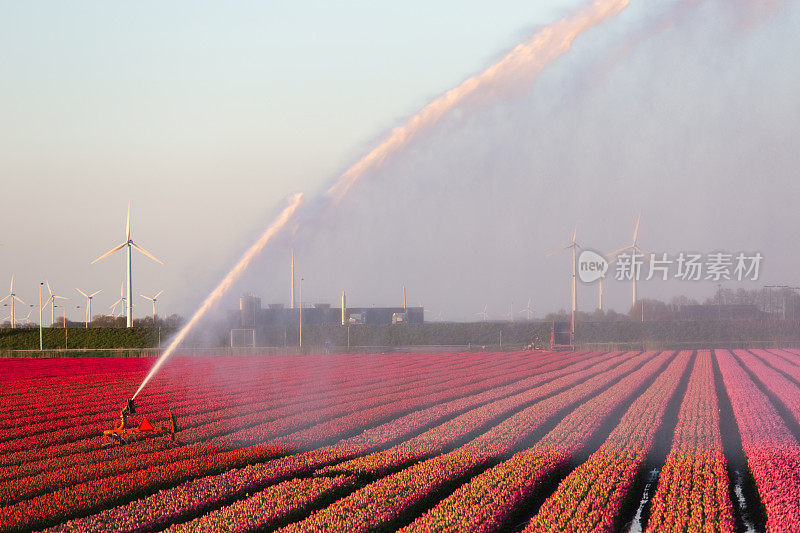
[528,310]
[130,245]
[12,297]
[634,249]
[437,317]
[121,300]
[510,314]
[89,304]
[153,299]
[483,314]
[600,287]
[52,302]
[574,246]
[28,318]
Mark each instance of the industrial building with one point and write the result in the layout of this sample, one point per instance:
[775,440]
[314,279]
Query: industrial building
[252,315]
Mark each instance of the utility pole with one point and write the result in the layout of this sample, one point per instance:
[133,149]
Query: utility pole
[784,287]
[769,292]
[291,284]
[40,316]
[301,314]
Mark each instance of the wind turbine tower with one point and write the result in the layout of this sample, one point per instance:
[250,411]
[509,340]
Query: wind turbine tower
[574,246]
[129,244]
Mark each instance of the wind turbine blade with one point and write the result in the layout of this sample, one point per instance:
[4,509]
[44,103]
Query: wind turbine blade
[48,288]
[60,297]
[145,297]
[554,252]
[128,223]
[118,248]
[159,294]
[615,253]
[12,284]
[4,299]
[636,229]
[80,291]
[148,254]
[575,234]
[17,298]
[95,293]
[642,252]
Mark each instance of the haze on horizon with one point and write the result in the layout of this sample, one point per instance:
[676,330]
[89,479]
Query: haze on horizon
[687,110]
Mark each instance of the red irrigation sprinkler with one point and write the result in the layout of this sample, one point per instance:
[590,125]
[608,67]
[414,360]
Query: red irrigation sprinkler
[121,432]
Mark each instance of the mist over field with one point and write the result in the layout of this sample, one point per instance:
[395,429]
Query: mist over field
[686,110]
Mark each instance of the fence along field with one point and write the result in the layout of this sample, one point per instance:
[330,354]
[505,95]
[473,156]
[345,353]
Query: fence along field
[525,441]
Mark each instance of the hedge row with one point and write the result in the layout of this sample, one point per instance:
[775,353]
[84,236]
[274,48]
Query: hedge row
[59,338]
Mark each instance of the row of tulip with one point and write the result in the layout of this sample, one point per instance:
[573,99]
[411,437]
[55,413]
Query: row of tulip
[203,494]
[98,404]
[343,417]
[693,488]
[227,373]
[785,390]
[272,506]
[383,503]
[179,395]
[112,373]
[489,498]
[772,452]
[205,419]
[93,496]
[591,496]
[777,359]
[445,436]
[203,431]
[19,489]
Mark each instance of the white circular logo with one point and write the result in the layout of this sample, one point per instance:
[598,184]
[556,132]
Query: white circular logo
[591,266]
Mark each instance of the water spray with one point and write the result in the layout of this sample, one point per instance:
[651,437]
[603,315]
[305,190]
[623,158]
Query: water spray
[519,68]
[225,284]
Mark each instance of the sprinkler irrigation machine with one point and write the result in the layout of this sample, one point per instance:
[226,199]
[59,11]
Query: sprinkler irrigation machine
[122,432]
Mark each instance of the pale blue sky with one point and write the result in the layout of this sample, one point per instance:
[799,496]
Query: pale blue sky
[205,114]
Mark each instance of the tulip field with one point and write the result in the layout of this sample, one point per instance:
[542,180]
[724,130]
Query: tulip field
[531,441]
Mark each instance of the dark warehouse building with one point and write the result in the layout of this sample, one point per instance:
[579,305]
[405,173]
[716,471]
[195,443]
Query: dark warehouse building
[250,314]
